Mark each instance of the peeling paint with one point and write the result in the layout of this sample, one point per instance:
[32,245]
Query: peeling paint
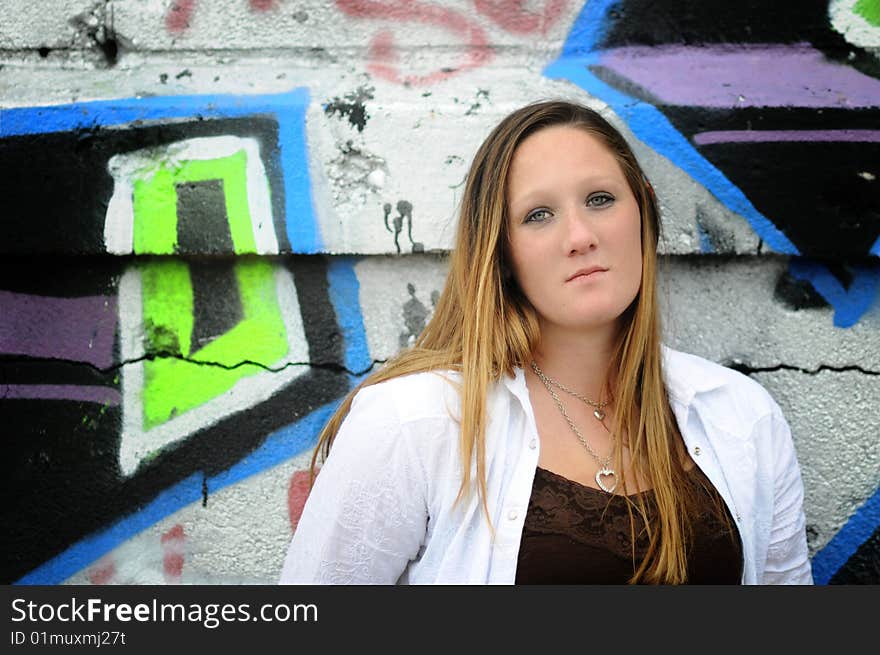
[352,107]
[95,27]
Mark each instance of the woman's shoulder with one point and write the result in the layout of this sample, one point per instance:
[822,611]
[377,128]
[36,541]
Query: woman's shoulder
[403,414]
[412,396]
[689,376]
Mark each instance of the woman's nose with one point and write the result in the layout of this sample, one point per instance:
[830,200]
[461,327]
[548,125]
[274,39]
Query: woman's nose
[580,235]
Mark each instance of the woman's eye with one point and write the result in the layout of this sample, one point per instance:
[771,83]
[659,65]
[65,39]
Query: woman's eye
[600,199]
[537,216]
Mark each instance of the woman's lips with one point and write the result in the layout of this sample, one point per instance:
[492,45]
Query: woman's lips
[586,273]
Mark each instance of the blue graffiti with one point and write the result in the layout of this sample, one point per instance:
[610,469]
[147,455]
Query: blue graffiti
[344,294]
[705,241]
[846,542]
[850,304]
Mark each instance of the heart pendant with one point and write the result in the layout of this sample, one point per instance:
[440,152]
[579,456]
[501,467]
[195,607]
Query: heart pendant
[599,414]
[607,473]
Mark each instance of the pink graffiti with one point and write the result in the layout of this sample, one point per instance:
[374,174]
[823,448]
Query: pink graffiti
[172,559]
[179,16]
[297,493]
[513,17]
[383,58]
[103,571]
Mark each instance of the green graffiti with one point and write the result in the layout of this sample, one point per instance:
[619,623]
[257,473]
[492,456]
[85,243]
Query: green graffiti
[155,202]
[869,10]
[180,375]
[173,386]
[168,303]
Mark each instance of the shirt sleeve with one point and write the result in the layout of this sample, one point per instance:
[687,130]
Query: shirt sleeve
[365,518]
[787,556]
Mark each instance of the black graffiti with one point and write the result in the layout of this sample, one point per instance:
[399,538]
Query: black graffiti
[815,193]
[202,219]
[404,212]
[797,294]
[863,566]
[49,175]
[691,22]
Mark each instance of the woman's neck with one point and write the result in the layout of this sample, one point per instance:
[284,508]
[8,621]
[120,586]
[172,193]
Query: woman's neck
[577,359]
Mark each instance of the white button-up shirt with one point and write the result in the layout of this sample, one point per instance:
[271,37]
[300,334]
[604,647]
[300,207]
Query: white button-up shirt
[383,509]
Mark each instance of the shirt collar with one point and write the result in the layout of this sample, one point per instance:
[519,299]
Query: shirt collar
[688,375]
[516,384]
[685,376]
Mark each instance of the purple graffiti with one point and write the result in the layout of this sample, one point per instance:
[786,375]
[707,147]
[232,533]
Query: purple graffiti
[82,393]
[75,329]
[780,136]
[743,76]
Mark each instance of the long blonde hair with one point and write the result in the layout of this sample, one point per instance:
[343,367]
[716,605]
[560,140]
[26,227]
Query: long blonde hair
[484,327]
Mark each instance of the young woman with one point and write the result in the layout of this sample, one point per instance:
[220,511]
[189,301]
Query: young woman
[538,431]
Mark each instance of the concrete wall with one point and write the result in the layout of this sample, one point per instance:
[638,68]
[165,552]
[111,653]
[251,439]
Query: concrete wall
[218,215]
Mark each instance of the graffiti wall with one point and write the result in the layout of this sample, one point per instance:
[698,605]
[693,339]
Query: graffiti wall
[218,216]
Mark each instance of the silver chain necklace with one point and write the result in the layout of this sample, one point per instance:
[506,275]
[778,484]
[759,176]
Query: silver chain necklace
[546,379]
[605,470]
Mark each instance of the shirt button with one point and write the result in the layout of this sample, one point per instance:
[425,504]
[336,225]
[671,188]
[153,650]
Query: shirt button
[533,444]
[512,514]
[696,450]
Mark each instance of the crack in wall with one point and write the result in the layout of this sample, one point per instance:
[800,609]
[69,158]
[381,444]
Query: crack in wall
[747,369]
[736,365]
[328,366]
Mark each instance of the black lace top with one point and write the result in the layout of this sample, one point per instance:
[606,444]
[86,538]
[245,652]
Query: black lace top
[567,539]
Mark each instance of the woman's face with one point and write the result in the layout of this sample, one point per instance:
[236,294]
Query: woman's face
[574,229]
